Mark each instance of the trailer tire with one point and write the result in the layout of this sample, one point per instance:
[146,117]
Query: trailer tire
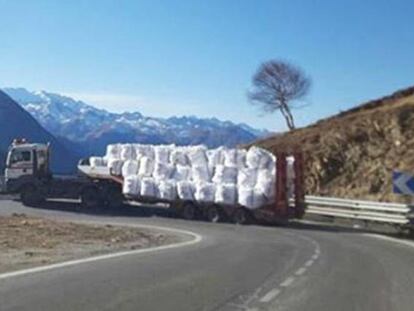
[214,214]
[189,211]
[90,197]
[30,195]
[241,216]
[115,198]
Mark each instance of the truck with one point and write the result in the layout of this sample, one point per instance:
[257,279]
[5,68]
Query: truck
[28,174]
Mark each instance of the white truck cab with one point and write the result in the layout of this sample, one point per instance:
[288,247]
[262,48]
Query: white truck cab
[26,159]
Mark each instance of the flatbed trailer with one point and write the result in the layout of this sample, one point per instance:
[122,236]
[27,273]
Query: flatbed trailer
[27,173]
[279,211]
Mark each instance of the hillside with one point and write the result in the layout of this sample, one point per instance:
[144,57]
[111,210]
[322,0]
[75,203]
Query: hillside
[16,122]
[353,154]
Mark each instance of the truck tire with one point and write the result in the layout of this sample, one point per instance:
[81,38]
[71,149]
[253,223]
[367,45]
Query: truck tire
[214,214]
[189,211]
[30,195]
[240,216]
[115,198]
[90,198]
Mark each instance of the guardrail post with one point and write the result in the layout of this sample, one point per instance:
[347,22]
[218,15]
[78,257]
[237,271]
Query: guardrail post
[281,185]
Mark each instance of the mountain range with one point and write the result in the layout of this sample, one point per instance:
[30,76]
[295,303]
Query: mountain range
[87,130]
[18,123]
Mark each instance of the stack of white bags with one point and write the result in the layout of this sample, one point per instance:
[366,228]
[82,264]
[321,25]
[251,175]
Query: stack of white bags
[168,172]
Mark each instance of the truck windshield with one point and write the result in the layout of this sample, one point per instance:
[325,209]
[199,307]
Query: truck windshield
[19,156]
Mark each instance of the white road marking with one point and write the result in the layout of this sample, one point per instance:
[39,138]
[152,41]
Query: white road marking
[390,239]
[309,263]
[288,282]
[197,238]
[300,271]
[270,295]
[315,256]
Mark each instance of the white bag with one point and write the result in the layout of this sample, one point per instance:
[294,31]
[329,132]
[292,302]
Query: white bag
[230,157]
[245,197]
[115,166]
[215,156]
[200,174]
[179,157]
[226,194]
[167,190]
[131,186]
[127,152]
[225,175]
[185,190]
[96,161]
[182,172]
[162,154]
[241,158]
[146,167]
[258,158]
[247,177]
[197,156]
[148,187]
[130,167]
[113,151]
[163,171]
[205,192]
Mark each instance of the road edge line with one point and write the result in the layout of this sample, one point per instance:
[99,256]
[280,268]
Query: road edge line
[390,239]
[196,239]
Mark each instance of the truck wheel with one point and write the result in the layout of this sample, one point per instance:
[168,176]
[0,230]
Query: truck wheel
[214,214]
[189,211]
[90,198]
[30,196]
[115,198]
[240,216]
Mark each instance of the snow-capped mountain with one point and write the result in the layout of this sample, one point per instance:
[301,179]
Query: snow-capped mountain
[91,129]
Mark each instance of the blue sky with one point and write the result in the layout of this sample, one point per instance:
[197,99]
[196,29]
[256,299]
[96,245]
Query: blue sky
[197,57]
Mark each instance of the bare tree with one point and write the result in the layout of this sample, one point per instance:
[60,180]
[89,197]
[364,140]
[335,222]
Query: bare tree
[278,85]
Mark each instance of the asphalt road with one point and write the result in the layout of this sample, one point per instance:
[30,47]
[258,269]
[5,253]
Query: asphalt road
[232,268]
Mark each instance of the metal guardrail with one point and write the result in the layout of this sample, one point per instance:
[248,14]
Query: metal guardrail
[393,213]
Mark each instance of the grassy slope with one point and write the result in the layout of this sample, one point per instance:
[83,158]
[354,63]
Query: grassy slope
[352,154]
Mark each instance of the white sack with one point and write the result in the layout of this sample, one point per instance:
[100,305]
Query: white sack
[148,187]
[162,153]
[181,172]
[225,175]
[127,152]
[259,199]
[215,156]
[197,156]
[96,161]
[115,166]
[179,157]
[258,158]
[131,186]
[113,151]
[163,171]
[205,192]
[167,190]
[144,151]
[247,177]
[146,167]
[226,194]
[245,197]
[200,173]
[185,190]
[241,158]
[130,167]
[230,157]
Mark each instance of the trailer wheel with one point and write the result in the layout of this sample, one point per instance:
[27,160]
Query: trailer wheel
[115,198]
[90,198]
[30,195]
[214,214]
[189,211]
[240,217]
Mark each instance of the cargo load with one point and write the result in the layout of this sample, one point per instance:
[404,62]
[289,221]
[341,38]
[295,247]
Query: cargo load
[222,175]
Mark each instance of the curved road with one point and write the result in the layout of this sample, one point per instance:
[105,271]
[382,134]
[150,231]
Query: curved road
[232,268]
